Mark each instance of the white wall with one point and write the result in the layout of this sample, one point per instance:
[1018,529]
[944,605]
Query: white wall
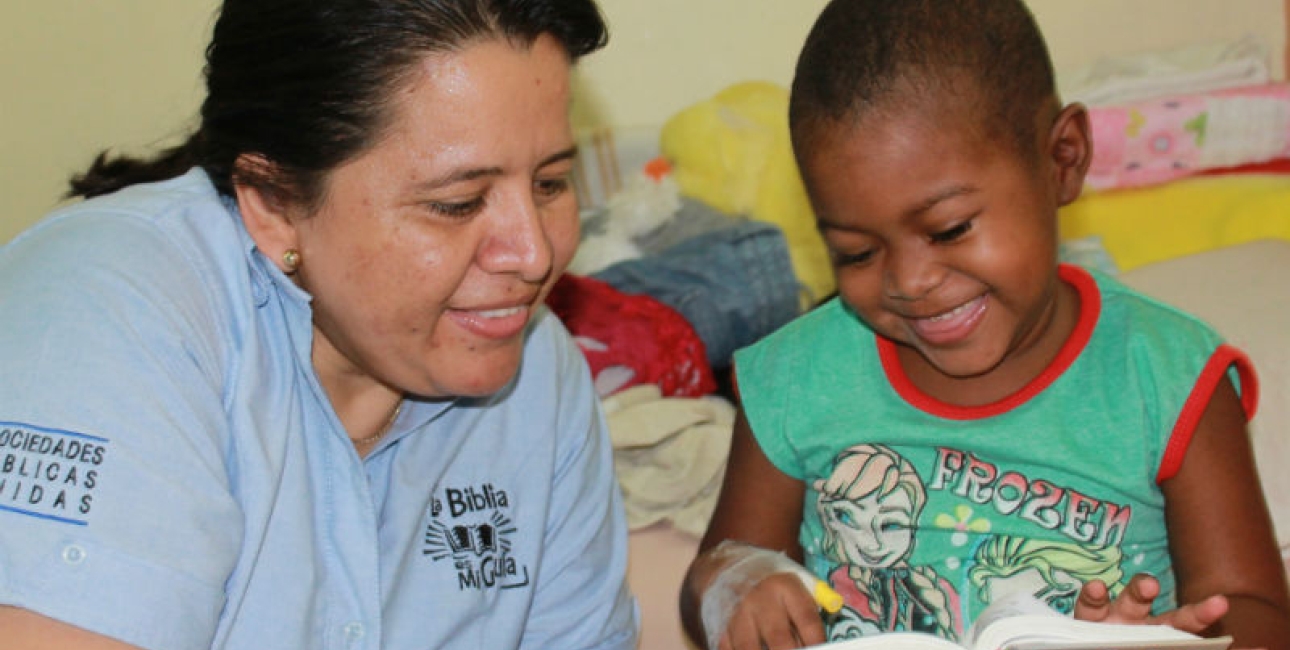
[78,76]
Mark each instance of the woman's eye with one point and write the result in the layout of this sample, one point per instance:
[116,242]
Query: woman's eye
[457,209]
[951,234]
[551,187]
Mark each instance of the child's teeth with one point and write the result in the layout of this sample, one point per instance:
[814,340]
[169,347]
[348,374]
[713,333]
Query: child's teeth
[950,314]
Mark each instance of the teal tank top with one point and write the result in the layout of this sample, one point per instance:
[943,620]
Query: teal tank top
[922,513]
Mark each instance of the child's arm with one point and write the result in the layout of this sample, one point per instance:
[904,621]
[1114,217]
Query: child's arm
[1220,533]
[1221,540]
[761,506]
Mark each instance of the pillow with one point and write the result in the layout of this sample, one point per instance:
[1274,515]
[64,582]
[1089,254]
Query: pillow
[1156,140]
[1240,291]
[630,340]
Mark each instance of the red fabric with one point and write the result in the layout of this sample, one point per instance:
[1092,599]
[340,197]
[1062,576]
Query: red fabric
[1274,166]
[632,339]
[1215,371]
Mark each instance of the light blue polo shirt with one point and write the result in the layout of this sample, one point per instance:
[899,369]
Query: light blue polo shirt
[172,475]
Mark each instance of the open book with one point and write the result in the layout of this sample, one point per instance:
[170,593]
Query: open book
[1020,622]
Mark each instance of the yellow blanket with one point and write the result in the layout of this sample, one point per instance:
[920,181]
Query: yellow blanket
[1182,217]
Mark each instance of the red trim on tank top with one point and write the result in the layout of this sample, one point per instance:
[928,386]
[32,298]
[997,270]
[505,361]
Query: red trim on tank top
[1090,308]
[1215,370]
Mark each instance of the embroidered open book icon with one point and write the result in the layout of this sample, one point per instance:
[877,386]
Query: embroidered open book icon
[479,539]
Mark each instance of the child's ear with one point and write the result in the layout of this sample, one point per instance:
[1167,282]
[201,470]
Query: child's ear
[266,214]
[1070,145]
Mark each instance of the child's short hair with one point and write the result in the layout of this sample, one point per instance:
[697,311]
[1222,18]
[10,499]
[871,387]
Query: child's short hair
[860,51]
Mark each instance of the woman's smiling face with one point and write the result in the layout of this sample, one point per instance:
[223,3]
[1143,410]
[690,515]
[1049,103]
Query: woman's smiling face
[432,250]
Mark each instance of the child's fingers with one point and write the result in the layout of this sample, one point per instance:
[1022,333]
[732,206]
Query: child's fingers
[804,614]
[1197,616]
[775,629]
[1094,602]
[778,614]
[742,633]
[1133,605]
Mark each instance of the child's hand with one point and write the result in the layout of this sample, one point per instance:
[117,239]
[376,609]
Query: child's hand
[762,599]
[1133,605]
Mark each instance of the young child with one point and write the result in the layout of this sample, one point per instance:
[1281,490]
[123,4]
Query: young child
[970,419]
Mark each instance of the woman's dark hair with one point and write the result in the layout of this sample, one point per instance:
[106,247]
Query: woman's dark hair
[304,85]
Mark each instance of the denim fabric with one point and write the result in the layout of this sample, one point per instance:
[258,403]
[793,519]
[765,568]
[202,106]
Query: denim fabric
[733,284]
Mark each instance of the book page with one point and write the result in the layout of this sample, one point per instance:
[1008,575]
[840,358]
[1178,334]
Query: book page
[1009,606]
[1021,622]
[892,641]
[1046,632]
[1193,643]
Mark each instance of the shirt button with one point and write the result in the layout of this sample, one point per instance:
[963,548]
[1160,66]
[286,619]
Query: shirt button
[354,632]
[73,554]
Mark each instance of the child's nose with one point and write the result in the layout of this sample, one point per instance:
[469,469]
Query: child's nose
[909,275]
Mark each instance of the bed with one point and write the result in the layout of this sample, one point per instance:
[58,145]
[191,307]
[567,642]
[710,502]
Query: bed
[1188,201]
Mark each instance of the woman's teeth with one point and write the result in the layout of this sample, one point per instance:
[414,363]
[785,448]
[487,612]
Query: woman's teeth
[499,313]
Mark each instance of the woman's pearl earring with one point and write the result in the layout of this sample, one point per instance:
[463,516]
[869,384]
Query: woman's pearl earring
[291,260]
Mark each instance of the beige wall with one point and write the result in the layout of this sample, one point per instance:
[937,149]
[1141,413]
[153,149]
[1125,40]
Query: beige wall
[665,54]
[78,76]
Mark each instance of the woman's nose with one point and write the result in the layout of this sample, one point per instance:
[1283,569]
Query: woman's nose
[518,242]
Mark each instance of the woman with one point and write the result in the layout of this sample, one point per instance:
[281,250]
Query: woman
[290,385]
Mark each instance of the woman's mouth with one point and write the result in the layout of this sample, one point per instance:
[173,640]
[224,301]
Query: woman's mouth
[492,323]
[500,313]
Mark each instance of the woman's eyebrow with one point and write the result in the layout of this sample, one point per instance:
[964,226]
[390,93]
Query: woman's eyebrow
[472,173]
[567,154]
[458,176]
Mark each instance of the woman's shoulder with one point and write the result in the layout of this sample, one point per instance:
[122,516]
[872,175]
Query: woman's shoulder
[148,225]
[163,257]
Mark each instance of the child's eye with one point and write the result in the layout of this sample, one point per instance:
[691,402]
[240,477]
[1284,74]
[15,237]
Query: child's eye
[951,234]
[456,209]
[851,259]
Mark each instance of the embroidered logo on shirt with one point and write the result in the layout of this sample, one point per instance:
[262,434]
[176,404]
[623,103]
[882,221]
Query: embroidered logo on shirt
[49,473]
[475,531]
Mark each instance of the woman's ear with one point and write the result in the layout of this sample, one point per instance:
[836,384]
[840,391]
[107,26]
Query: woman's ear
[266,215]
[1070,146]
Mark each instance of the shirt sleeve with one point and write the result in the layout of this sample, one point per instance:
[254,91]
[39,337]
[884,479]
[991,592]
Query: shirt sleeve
[582,600]
[115,509]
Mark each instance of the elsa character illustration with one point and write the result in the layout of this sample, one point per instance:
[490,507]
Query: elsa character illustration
[869,507]
[1050,570]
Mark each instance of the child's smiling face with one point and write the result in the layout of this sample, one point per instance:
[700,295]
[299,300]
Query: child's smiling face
[943,238]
